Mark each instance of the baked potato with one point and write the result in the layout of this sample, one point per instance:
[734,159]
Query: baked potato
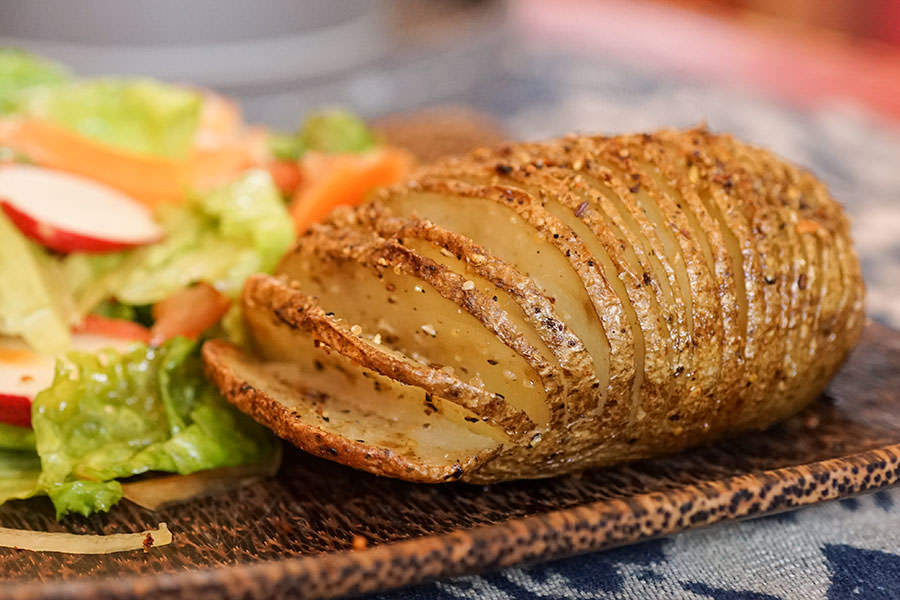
[544,308]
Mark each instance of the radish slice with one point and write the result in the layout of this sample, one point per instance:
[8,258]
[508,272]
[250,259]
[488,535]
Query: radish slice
[24,373]
[15,410]
[70,213]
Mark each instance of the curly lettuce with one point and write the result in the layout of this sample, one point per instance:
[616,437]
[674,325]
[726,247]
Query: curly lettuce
[109,416]
[20,466]
[19,473]
[31,305]
[334,131]
[21,71]
[16,438]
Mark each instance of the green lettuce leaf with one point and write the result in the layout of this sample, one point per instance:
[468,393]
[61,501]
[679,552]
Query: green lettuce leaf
[19,472]
[109,416]
[139,115]
[85,497]
[336,131]
[220,238]
[286,146]
[20,71]
[333,130]
[20,466]
[15,438]
[31,304]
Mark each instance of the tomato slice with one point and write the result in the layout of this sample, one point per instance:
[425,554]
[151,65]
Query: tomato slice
[188,313]
[286,174]
[115,328]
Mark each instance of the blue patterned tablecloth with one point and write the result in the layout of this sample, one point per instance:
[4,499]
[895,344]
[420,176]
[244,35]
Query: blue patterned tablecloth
[846,549]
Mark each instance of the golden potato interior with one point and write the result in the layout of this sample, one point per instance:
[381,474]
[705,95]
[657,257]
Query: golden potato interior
[510,237]
[331,407]
[407,314]
[292,327]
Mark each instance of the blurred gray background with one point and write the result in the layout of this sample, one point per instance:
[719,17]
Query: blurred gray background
[279,57]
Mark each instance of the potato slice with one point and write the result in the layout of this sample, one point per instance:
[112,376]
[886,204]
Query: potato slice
[729,194]
[554,260]
[523,302]
[614,304]
[670,170]
[288,325]
[423,310]
[630,202]
[335,409]
[688,276]
[591,200]
[815,213]
[582,208]
[778,186]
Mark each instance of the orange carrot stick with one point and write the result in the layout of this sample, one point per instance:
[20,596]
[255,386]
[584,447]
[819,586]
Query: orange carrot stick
[343,180]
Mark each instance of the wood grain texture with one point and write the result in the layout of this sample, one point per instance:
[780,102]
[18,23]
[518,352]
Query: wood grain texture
[293,536]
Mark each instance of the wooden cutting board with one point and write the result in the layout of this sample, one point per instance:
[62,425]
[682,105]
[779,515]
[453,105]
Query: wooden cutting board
[294,535]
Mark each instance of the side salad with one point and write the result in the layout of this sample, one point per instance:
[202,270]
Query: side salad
[131,212]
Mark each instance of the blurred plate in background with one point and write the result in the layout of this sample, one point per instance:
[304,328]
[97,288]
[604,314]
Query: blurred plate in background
[280,58]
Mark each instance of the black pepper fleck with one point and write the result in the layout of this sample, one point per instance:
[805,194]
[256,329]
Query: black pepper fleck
[579,212]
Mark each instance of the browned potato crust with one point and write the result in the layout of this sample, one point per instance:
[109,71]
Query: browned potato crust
[657,290]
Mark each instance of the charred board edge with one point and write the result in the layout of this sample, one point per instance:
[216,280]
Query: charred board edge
[594,526]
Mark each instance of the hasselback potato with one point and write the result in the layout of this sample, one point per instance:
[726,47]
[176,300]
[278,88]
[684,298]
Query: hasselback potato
[543,308]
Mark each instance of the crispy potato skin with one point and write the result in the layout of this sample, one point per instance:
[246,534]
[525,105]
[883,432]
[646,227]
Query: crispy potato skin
[722,278]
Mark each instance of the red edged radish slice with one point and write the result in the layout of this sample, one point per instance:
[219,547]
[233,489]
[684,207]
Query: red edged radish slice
[70,213]
[24,373]
[15,410]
